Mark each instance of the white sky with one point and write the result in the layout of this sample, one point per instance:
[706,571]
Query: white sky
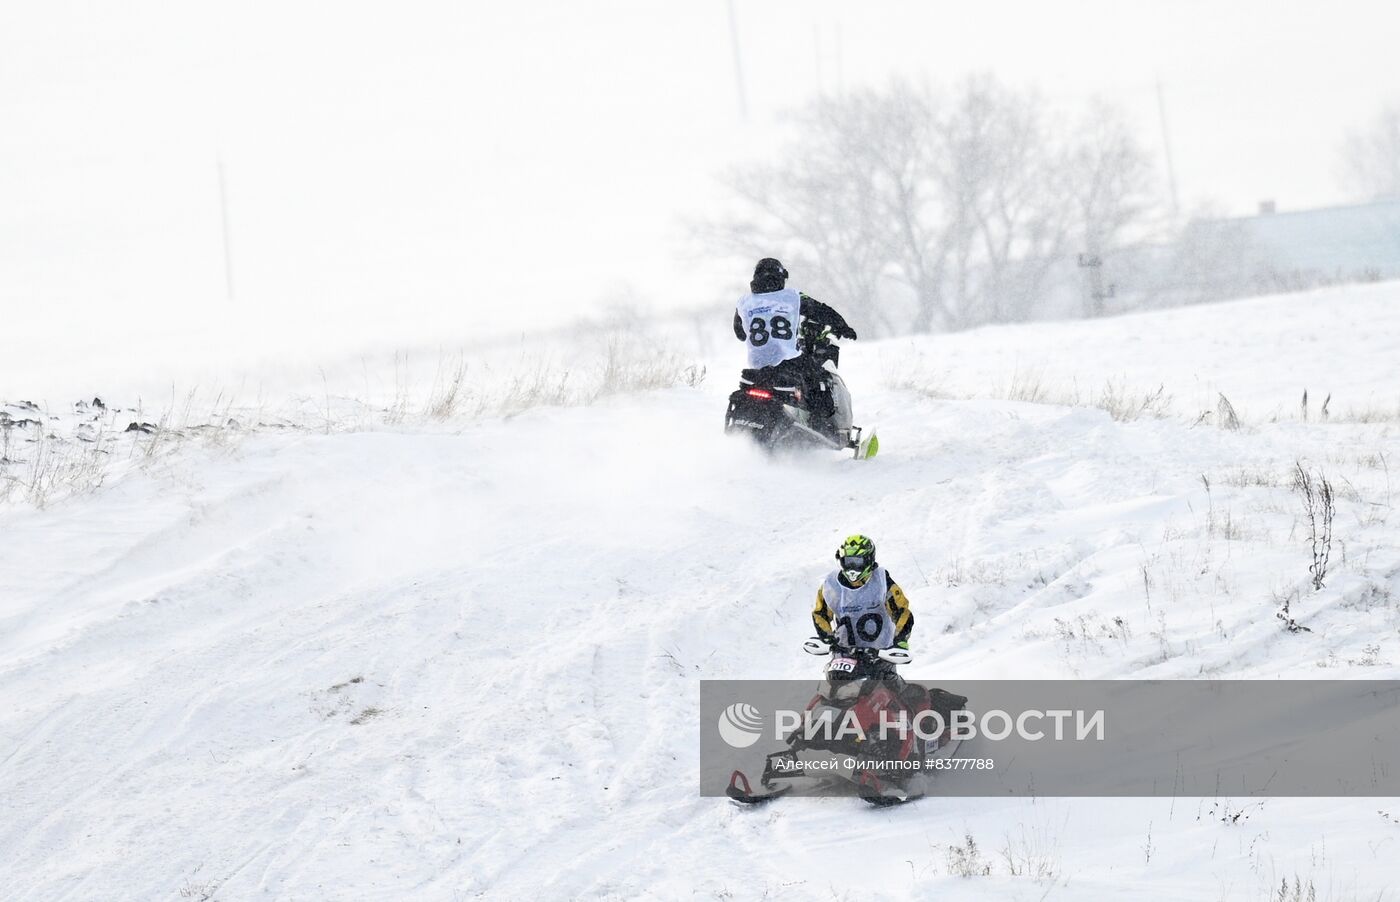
[412,170]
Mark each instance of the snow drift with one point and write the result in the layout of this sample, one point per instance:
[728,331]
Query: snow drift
[456,657]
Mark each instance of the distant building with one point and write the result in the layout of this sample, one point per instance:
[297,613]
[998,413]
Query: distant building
[1330,244]
[1268,253]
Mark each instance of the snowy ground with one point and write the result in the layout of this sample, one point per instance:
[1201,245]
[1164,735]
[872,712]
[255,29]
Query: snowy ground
[379,656]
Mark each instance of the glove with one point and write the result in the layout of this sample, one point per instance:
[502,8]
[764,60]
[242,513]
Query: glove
[845,332]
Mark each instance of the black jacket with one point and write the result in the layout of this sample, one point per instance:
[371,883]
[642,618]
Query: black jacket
[813,311]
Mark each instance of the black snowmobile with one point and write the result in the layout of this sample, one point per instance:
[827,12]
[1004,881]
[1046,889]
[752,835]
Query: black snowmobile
[774,406]
[858,684]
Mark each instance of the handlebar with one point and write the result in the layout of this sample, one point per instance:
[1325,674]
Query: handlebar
[890,655]
[817,344]
[895,655]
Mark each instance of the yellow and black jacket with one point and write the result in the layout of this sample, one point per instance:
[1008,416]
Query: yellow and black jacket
[896,605]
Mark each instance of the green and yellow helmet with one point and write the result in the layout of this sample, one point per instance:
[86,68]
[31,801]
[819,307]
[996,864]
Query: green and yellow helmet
[857,557]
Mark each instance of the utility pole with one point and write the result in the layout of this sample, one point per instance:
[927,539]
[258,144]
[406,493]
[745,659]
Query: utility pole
[1167,146]
[1093,262]
[840,67]
[738,65]
[223,217]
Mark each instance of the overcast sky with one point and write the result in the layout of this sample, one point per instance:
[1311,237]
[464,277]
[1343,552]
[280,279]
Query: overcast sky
[400,169]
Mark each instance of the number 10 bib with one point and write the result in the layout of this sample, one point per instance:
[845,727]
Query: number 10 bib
[859,615]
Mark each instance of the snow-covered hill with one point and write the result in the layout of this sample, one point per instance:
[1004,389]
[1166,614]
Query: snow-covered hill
[457,658]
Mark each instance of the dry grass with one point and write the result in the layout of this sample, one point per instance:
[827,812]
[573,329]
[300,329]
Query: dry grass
[965,859]
[1324,414]
[462,388]
[1124,405]
[1372,414]
[928,385]
[1033,853]
[49,467]
[1027,386]
[448,388]
[1115,398]
[1258,476]
[46,457]
[366,715]
[627,370]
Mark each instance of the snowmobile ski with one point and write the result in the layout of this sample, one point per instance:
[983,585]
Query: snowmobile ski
[874,791]
[741,791]
[867,447]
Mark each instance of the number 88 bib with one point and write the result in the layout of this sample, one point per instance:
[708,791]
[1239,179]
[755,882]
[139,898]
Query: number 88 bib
[771,323]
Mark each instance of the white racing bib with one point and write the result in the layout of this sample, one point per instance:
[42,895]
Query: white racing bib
[859,616]
[771,321]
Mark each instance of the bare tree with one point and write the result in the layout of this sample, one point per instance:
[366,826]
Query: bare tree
[1209,258]
[1110,186]
[924,211]
[1371,158]
[1007,222]
[814,210]
[895,136]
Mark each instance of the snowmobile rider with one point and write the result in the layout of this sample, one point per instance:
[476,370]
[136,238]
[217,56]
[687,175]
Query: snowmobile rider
[859,605]
[769,321]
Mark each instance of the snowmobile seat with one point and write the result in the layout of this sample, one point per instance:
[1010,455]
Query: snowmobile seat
[762,374]
[945,703]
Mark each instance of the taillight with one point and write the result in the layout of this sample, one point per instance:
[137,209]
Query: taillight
[759,393]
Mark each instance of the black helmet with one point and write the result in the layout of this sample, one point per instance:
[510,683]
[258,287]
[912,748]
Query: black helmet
[768,275]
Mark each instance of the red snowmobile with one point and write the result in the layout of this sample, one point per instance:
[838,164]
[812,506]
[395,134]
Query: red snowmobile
[861,688]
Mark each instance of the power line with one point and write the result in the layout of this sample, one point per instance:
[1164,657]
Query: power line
[738,65]
[1167,146]
[223,216]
